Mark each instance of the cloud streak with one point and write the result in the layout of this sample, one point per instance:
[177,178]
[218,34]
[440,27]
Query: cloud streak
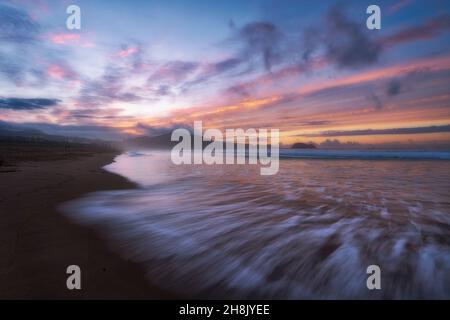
[27,104]
[432,28]
[397,6]
[371,132]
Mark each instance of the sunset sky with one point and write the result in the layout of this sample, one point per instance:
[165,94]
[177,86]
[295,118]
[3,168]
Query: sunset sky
[309,68]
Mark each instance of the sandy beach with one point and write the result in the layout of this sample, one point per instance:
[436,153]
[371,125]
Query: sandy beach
[37,242]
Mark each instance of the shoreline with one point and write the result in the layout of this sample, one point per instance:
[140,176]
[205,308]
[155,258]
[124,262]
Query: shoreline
[37,242]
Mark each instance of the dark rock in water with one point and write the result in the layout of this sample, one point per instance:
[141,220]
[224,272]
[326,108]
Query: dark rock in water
[301,145]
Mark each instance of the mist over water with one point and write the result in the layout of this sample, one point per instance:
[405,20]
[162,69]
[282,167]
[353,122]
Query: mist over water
[310,231]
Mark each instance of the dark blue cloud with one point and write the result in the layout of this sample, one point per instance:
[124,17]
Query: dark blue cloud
[17,25]
[394,87]
[261,39]
[348,44]
[27,104]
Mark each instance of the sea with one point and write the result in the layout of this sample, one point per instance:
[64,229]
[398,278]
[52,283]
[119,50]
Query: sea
[311,231]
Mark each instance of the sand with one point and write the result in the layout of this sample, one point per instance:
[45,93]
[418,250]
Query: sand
[37,242]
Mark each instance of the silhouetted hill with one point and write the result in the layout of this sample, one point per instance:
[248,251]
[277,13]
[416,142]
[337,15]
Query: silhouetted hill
[161,142]
[12,132]
[145,142]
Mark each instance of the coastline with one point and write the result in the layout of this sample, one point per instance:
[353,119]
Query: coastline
[37,242]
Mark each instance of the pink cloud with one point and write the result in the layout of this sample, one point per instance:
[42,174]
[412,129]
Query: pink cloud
[127,52]
[65,38]
[56,72]
[60,72]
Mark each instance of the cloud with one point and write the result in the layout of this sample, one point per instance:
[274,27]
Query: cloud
[130,56]
[326,89]
[172,77]
[209,71]
[429,29]
[410,145]
[18,30]
[24,60]
[87,116]
[336,144]
[348,45]
[12,69]
[173,72]
[378,104]
[246,89]
[128,51]
[163,90]
[61,71]
[65,38]
[175,77]
[257,42]
[260,40]
[343,42]
[394,87]
[225,65]
[316,123]
[27,104]
[108,88]
[338,42]
[370,132]
[310,42]
[242,90]
[16,25]
[152,131]
[397,6]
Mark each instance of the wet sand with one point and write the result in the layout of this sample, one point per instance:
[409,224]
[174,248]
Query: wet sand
[37,242]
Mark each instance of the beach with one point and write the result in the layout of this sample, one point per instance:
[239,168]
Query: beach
[140,227]
[37,243]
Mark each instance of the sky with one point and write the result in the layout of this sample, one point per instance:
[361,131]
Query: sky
[311,69]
